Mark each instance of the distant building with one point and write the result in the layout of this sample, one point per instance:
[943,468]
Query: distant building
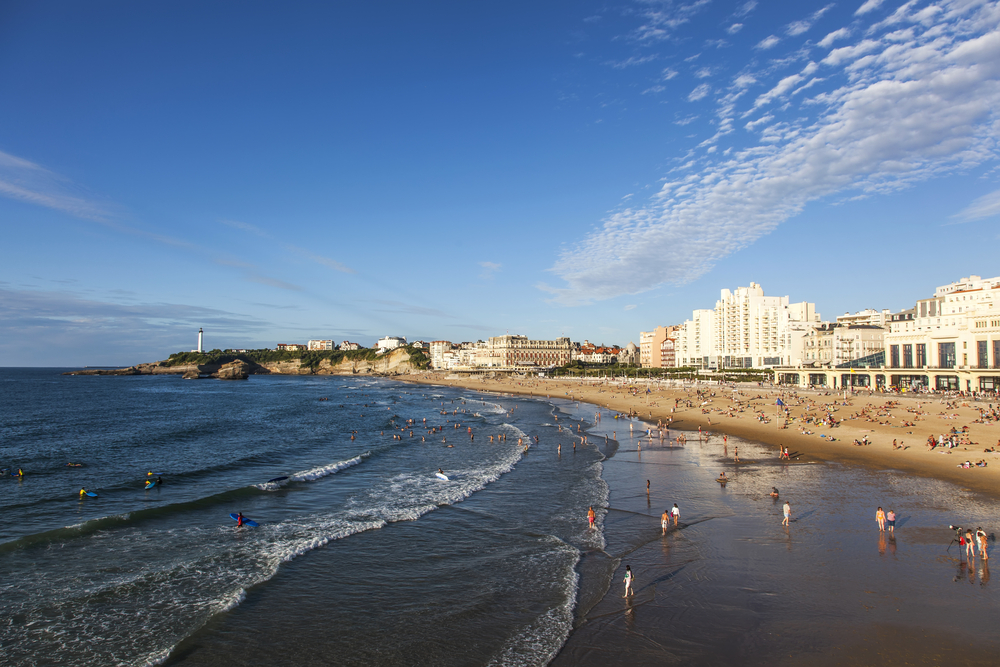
[389,343]
[290,347]
[629,355]
[835,344]
[347,346]
[420,345]
[668,354]
[649,347]
[321,345]
[875,318]
[511,351]
[438,350]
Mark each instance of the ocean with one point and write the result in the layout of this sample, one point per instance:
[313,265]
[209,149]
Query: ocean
[362,556]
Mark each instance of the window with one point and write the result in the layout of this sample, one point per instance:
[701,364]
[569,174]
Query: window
[983,354]
[996,354]
[907,356]
[894,356]
[921,355]
[946,355]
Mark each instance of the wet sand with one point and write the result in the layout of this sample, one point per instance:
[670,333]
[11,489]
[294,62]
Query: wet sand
[731,585]
[733,410]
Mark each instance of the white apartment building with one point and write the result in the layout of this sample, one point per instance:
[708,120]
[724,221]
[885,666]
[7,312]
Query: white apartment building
[389,343]
[347,346]
[437,353]
[875,318]
[950,341]
[321,345]
[746,330]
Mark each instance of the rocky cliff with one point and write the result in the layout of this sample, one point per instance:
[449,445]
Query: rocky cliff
[396,362]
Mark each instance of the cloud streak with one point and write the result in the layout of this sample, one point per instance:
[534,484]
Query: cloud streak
[907,106]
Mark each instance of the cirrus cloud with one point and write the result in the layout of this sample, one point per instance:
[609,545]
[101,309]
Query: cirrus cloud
[896,110]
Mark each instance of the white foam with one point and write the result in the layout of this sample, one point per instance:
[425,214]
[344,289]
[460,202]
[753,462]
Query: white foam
[329,469]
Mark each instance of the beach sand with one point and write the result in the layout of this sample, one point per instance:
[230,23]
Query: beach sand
[732,410]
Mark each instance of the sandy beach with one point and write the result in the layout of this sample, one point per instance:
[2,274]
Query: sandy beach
[752,413]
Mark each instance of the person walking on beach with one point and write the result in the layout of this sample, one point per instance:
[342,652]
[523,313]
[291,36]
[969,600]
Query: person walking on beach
[628,581]
[675,512]
[890,520]
[880,519]
[591,517]
[665,521]
[970,545]
[982,539]
[787,510]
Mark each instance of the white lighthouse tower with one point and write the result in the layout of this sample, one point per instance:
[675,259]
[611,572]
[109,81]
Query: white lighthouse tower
[201,340]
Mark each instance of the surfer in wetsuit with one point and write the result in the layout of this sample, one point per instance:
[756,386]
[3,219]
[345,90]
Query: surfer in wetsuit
[83,492]
[159,480]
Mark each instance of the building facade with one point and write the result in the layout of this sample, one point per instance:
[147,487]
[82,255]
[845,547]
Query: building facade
[320,345]
[390,343]
[511,351]
[950,341]
[290,347]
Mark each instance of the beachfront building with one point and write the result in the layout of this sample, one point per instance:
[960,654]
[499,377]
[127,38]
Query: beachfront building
[597,354]
[649,347]
[290,347]
[668,353]
[950,341]
[832,344]
[875,318]
[694,344]
[347,346]
[511,351]
[629,355]
[440,348]
[389,343]
[320,345]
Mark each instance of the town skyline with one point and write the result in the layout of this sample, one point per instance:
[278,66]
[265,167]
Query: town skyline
[586,170]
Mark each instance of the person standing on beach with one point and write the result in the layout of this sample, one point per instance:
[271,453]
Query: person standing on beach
[665,521]
[628,581]
[787,510]
[970,545]
[982,539]
[591,517]
[675,512]
[880,519]
[890,520]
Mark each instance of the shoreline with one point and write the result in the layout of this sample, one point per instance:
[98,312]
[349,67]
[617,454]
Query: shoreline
[732,409]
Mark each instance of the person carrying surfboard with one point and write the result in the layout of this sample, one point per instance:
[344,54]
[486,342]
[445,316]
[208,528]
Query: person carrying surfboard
[239,519]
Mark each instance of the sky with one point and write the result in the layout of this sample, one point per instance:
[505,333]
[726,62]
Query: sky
[455,170]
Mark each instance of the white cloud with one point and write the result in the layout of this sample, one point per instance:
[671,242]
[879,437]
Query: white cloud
[703,73]
[869,6]
[767,43]
[744,81]
[631,62]
[31,183]
[842,33]
[668,74]
[489,268]
[918,109]
[746,8]
[734,28]
[986,206]
[699,93]
[630,306]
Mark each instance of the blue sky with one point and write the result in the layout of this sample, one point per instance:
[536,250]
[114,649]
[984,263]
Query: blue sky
[460,170]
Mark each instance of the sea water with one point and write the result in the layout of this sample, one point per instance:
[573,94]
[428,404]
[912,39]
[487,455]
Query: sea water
[361,556]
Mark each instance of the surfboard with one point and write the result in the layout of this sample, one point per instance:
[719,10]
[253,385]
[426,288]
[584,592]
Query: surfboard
[150,474]
[276,479]
[721,480]
[91,494]
[442,476]
[150,485]
[246,521]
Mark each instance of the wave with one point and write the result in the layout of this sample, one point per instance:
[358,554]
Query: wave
[329,469]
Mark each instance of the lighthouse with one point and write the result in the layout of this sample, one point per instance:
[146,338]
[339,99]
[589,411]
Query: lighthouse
[201,340]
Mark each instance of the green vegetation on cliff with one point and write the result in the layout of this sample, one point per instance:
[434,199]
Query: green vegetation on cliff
[310,358]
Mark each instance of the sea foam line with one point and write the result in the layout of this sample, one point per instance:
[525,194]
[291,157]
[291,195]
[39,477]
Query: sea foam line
[323,471]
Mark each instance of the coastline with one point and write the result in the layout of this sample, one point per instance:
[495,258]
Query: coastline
[719,413]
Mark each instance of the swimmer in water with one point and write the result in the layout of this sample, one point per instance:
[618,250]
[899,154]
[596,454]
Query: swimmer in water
[83,492]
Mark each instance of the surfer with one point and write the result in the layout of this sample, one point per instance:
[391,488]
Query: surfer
[159,480]
[440,472]
[239,519]
[83,492]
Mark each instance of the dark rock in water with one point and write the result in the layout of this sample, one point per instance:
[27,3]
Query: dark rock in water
[234,370]
[191,375]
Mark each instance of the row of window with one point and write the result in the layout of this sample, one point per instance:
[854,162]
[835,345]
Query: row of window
[947,357]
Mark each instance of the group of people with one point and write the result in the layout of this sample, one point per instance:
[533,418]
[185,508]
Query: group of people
[970,541]
[883,520]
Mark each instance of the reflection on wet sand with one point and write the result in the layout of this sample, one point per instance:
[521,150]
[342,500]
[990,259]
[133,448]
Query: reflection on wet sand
[727,587]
